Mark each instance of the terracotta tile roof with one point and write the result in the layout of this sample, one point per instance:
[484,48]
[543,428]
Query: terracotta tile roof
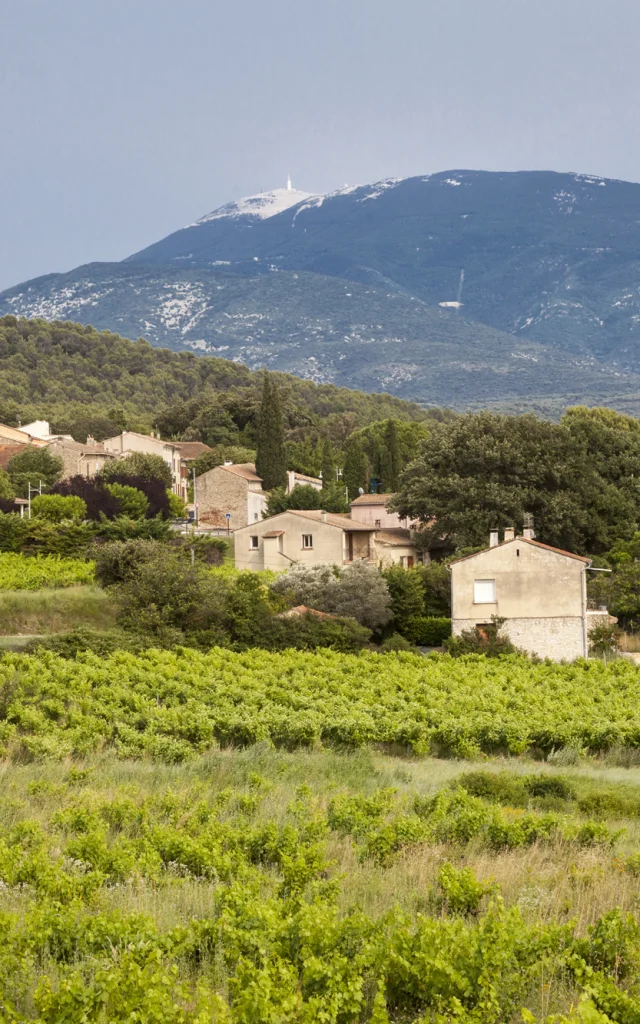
[274,533]
[395,538]
[246,470]
[302,609]
[525,540]
[373,499]
[191,449]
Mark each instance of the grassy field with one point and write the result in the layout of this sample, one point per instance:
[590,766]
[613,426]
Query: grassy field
[261,885]
[34,612]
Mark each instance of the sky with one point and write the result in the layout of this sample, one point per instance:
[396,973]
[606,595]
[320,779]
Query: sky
[123,120]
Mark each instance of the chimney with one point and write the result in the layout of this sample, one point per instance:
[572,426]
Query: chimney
[494,539]
[509,533]
[323,516]
[91,440]
[528,532]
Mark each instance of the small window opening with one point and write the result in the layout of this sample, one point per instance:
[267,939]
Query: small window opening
[307,540]
[253,542]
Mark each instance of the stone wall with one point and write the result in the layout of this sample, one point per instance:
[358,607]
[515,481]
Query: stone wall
[219,492]
[560,638]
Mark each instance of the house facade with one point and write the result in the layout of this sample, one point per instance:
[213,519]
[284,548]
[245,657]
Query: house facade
[125,444]
[372,509]
[540,591]
[233,490]
[306,538]
[80,459]
[17,435]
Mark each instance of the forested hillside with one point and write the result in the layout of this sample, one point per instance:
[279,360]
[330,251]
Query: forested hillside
[89,381]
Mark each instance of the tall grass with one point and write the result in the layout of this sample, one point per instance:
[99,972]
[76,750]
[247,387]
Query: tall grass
[34,612]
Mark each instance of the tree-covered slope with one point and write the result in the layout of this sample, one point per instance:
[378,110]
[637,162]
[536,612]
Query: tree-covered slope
[66,370]
[324,329]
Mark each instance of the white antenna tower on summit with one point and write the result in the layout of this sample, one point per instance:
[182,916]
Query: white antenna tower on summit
[289,185]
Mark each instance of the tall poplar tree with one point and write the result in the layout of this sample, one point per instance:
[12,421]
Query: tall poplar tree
[271,464]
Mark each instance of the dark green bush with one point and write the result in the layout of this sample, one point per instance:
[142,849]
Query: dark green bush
[427,630]
[487,639]
[67,645]
[37,536]
[117,561]
[396,642]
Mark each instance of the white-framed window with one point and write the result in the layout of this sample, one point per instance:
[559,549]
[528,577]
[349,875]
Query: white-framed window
[484,591]
[307,540]
[253,542]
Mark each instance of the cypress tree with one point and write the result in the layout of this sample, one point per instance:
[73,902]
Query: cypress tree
[328,465]
[271,463]
[355,469]
[391,462]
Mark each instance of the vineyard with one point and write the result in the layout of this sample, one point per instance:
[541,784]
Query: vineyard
[20,572]
[172,705]
[254,837]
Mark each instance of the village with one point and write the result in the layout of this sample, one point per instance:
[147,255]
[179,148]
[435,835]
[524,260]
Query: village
[537,592]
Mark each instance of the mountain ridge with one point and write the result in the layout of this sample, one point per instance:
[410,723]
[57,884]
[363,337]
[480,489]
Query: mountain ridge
[453,279]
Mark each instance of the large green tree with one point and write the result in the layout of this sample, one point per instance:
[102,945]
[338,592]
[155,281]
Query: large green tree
[304,496]
[270,455]
[33,466]
[486,471]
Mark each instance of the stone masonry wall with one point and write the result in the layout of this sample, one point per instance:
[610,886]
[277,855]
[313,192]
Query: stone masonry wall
[560,638]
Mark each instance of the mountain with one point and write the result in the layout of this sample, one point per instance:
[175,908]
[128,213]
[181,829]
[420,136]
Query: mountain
[463,288]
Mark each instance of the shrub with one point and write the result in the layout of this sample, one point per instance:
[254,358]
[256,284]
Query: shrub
[488,640]
[7,489]
[101,642]
[396,642]
[358,591]
[56,508]
[427,630]
[131,502]
[139,465]
[461,891]
[99,501]
[177,507]
[407,594]
[119,561]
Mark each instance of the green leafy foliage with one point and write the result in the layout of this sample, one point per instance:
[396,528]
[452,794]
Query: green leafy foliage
[37,536]
[484,471]
[20,572]
[55,508]
[488,639]
[454,706]
[132,503]
[33,466]
[304,496]
[427,630]
[7,489]
[138,464]
[358,591]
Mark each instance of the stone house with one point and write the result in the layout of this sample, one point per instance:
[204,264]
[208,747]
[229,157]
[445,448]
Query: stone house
[80,459]
[125,444]
[539,590]
[308,538]
[233,489]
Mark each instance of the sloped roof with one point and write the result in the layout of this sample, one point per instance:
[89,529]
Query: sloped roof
[302,609]
[274,533]
[246,470]
[373,499]
[524,540]
[394,538]
[191,449]
[332,518]
[303,476]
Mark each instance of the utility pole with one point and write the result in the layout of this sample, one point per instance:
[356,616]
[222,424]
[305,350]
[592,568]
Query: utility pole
[195,498]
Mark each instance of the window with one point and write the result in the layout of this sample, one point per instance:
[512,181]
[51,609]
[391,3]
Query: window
[377,523]
[255,517]
[484,591]
[253,543]
[307,540]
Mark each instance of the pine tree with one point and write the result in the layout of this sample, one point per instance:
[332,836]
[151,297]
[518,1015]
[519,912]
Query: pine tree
[328,465]
[355,469]
[270,456]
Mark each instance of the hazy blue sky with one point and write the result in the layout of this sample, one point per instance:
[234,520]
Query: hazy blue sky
[123,120]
